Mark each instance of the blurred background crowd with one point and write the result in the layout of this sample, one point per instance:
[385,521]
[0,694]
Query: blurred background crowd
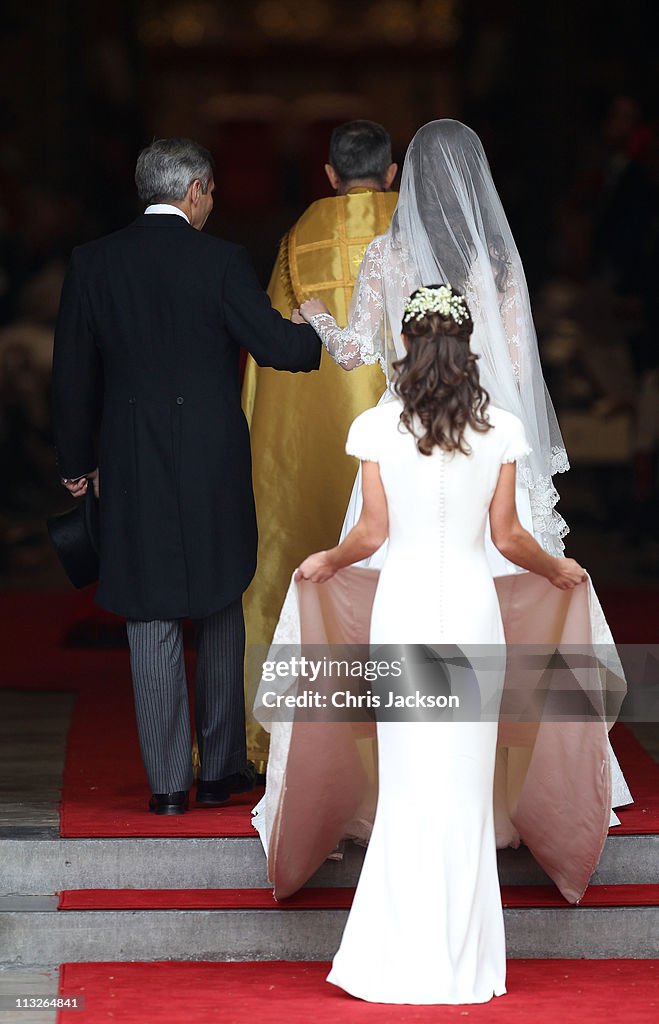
[563,94]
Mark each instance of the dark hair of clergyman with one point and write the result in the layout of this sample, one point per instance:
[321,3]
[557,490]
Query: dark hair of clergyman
[166,169]
[360,151]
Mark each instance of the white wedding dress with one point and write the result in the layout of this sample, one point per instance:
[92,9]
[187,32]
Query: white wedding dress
[426,925]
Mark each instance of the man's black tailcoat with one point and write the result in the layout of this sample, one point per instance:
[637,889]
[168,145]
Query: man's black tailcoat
[150,325]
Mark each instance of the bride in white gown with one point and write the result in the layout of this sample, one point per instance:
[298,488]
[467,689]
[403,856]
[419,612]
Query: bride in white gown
[449,225]
[426,925]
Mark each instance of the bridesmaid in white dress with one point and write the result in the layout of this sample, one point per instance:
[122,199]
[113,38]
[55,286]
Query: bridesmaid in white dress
[426,925]
[450,225]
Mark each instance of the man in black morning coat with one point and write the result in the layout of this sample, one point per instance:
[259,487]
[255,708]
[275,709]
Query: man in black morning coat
[150,325]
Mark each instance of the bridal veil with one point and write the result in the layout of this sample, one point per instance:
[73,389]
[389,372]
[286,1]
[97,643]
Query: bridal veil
[450,227]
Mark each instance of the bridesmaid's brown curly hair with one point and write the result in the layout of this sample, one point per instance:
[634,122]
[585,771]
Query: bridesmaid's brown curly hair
[439,384]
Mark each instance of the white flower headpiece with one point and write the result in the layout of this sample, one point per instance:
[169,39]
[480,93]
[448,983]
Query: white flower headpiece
[436,300]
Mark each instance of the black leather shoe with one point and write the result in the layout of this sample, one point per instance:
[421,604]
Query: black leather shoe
[169,803]
[216,792]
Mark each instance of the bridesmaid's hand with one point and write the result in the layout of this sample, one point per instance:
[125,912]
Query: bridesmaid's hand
[312,307]
[318,568]
[568,574]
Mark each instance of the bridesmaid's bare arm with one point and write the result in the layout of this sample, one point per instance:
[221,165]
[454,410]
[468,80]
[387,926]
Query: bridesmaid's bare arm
[367,535]
[518,545]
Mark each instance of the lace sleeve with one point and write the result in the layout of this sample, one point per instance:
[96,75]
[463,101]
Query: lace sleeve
[362,341]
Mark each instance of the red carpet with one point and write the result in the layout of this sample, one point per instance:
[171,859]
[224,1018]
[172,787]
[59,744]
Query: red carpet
[594,896]
[642,775]
[105,793]
[204,899]
[541,991]
[329,898]
[105,790]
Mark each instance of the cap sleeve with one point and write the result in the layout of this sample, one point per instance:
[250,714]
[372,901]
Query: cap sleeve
[516,445]
[362,439]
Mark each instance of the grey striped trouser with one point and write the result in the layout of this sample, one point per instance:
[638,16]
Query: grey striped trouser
[161,698]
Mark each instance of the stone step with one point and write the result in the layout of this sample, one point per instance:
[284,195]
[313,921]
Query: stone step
[19,983]
[37,863]
[33,933]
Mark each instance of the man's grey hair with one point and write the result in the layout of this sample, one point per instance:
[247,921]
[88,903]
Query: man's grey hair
[166,169]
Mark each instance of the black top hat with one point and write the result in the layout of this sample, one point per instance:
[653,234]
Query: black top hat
[75,535]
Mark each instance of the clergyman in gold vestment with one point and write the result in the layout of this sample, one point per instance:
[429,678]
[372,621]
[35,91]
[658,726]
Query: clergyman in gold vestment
[302,476]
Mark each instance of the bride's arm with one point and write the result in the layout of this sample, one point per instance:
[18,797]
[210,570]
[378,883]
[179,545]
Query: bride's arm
[368,534]
[361,341]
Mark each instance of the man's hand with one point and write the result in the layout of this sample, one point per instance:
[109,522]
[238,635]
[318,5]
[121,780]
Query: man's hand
[79,487]
[312,307]
[296,317]
[318,568]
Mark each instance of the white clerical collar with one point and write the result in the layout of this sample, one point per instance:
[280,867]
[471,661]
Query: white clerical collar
[166,208]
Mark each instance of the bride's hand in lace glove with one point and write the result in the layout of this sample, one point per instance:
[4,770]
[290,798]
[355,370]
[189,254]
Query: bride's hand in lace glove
[312,307]
[318,568]
[568,574]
